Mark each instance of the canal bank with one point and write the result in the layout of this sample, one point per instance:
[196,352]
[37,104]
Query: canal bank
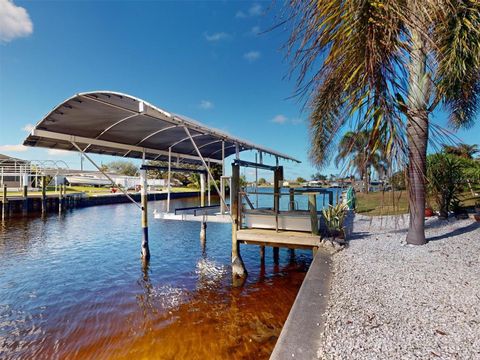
[300,337]
[21,206]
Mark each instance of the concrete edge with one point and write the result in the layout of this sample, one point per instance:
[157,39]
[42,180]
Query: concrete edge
[300,336]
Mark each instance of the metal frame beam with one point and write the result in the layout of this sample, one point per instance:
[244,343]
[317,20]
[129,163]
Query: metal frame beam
[110,144]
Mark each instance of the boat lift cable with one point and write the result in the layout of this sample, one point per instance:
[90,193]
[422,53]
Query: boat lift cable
[106,175]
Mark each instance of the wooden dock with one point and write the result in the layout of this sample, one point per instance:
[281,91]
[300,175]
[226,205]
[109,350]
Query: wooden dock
[282,238]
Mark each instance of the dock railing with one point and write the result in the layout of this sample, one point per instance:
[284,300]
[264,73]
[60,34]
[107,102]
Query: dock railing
[244,200]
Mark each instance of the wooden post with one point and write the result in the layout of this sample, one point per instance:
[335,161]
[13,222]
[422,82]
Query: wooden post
[44,194]
[238,268]
[25,199]
[277,178]
[291,203]
[330,198]
[276,255]
[144,199]
[262,253]
[312,207]
[60,198]
[4,202]
[203,234]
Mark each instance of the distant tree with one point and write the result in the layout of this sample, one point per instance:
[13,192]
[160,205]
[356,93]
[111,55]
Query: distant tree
[397,180]
[123,168]
[300,180]
[319,177]
[243,181]
[262,181]
[353,150]
[463,150]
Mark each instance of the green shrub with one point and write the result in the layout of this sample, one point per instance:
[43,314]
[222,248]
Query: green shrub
[445,178]
[334,217]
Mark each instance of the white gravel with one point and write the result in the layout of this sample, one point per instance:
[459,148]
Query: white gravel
[389,300]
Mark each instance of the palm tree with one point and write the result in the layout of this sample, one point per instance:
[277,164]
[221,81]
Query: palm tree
[353,150]
[463,150]
[387,65]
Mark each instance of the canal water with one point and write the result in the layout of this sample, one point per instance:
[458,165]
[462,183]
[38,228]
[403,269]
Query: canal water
[72,287]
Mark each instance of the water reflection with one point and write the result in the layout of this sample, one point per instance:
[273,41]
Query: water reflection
[71,286]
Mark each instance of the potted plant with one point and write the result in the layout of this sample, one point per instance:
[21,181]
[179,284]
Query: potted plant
[334,217]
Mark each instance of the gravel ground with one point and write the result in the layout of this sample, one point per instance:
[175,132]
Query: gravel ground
[389,300]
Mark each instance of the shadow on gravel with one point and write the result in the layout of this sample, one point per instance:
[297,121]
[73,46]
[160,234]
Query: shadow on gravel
[456,232]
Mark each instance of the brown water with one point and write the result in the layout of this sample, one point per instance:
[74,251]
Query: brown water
[73,287]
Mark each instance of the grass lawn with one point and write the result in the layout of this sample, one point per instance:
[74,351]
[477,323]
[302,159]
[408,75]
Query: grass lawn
[388,203]
[382,203]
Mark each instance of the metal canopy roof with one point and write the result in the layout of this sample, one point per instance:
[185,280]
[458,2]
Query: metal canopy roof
[117,124]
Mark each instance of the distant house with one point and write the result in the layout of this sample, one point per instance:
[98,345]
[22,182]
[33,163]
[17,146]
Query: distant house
[14,172]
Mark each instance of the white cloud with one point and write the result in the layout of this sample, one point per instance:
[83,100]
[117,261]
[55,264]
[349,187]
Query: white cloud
[206,104]
[216,36]
[57,152]
[297,121]
[252,56]
[254,10]
[14,21]
[282,119]
[255,30]
[28,128]
[279,119]
[240,15]
[14,148]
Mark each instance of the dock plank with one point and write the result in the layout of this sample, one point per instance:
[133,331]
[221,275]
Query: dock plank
[282,238]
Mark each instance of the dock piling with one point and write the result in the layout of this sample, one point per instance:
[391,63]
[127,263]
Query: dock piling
[25,200]
[238,268]
[144,199]
[44,194]
[203,233]
[312,207]
[4,202]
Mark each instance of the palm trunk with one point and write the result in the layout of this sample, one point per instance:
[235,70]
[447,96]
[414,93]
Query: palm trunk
[367,180]
[417,133]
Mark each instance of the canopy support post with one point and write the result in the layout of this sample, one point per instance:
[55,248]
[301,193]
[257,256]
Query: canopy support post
[222,184]
[145,247]
[169,177]
[238,268]
[208,186]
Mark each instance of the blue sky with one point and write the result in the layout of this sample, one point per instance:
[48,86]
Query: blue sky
[207,60]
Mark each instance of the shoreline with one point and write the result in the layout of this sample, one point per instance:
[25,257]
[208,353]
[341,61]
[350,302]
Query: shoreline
[301,332]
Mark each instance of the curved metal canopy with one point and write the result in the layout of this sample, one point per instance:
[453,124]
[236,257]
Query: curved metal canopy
[117,124]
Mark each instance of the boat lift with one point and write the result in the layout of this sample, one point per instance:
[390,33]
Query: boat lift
[117,124]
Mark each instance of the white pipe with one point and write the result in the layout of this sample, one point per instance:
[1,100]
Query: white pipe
[168,178]
[208,185]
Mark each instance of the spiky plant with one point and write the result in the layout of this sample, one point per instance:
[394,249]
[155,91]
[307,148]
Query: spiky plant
[387,65]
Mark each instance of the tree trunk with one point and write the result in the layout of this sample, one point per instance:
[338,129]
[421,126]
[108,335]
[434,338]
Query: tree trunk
[367,180]
[417,134]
